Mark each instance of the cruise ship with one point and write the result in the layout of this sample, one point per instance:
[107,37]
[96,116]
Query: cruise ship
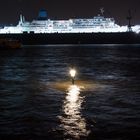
[98,29]
[44,25]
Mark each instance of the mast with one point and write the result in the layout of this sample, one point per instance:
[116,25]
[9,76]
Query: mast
[21,20]
[102,11]
[129,18]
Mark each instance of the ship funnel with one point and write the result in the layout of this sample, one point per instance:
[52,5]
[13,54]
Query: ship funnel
[42,15]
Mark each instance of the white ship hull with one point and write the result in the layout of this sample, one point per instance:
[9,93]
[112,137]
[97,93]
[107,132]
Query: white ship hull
[97,24]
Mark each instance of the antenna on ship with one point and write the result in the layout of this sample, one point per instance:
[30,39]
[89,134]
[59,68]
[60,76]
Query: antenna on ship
[129,18]
[102,11]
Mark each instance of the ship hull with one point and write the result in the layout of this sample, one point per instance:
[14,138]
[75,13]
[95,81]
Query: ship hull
[75,38]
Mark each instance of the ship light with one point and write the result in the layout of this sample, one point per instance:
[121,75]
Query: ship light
[72,74]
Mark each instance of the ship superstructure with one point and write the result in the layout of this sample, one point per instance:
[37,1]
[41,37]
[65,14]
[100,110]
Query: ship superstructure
[43,25]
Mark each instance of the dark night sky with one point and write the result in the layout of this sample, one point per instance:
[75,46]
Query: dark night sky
[58,9]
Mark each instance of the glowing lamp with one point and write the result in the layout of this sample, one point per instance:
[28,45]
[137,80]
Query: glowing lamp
[72,74]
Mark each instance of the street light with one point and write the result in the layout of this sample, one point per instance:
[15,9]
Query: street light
[72,74]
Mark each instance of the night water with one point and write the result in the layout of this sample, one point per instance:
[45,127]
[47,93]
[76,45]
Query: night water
[38,101]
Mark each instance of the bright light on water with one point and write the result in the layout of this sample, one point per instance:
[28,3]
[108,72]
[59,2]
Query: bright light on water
[73,93]
[72,72]
[73,123]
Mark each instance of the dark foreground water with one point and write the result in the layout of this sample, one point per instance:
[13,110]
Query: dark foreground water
[37,101]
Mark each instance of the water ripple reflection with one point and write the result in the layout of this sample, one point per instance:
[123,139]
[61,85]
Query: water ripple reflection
[72,122]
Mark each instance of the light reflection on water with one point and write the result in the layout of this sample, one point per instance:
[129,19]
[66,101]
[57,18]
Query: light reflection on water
[32,96]
[73,124]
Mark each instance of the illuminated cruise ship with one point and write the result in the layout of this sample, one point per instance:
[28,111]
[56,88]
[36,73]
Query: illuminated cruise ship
[43,25]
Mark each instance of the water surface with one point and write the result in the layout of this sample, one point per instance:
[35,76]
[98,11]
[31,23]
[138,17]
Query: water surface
[38,102]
